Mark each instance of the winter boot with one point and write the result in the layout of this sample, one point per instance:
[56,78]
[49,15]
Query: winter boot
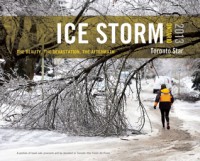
[168,127]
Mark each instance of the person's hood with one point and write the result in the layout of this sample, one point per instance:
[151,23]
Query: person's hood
[165,90]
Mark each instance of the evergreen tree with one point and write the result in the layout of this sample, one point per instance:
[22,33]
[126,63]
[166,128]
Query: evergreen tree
[196,78]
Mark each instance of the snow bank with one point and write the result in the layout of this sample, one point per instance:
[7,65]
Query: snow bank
[189,114]
[15,138]
[186,86]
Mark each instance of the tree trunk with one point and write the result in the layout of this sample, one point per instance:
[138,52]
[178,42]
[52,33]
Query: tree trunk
[5,54]
[27,63]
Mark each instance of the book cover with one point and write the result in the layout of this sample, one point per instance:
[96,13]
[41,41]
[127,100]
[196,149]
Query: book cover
[99,80]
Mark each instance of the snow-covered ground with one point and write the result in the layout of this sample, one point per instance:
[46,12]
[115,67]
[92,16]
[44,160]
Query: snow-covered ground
[34,145]
[189,113]
[15,138]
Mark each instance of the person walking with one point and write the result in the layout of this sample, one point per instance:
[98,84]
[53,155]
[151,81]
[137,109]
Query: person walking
[165,100]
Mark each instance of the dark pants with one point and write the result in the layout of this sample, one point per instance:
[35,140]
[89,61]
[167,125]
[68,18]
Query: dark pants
[165,114]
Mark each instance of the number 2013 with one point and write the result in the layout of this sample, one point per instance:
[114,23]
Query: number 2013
[179,33]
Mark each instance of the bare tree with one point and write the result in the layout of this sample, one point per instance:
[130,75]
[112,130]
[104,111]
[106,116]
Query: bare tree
[68,104]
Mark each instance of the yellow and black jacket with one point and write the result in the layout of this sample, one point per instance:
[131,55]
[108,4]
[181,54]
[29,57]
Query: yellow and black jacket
[165,98]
